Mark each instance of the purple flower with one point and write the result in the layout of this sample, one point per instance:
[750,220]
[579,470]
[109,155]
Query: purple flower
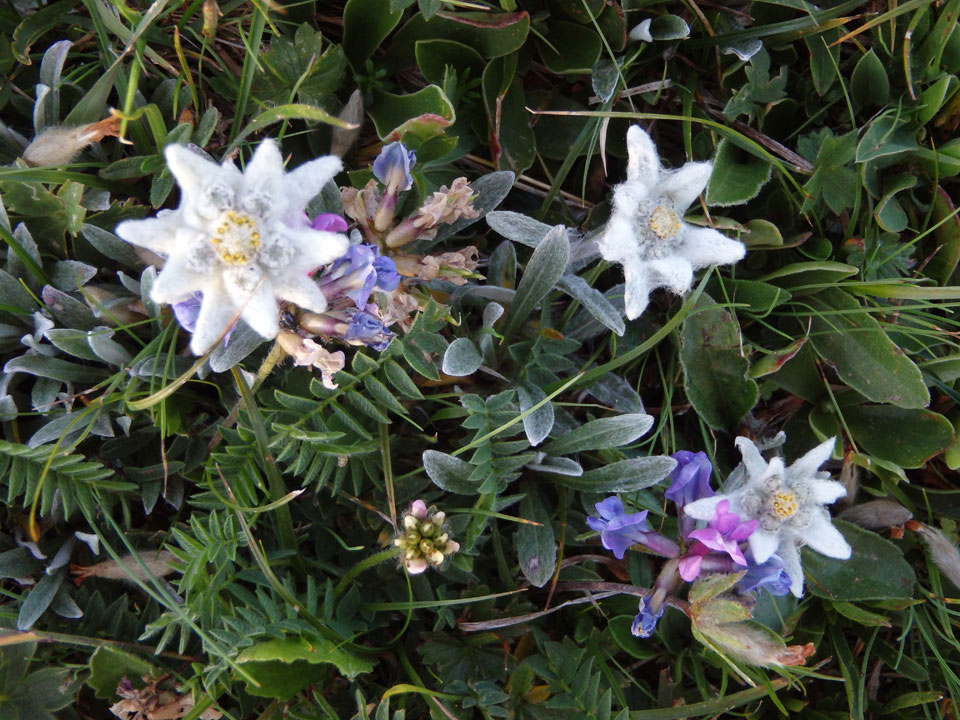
[366,329]
[329,222]
[723,535]
[646,622]
[618,531]
[691,481]
[357,273]
[769,575]
[691,478]
[392,167]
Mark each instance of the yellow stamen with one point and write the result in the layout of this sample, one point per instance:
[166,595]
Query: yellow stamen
[785,504]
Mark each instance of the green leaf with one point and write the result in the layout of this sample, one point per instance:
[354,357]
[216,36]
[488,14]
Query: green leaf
[876,571]
[737,176]
[715,372]
[366,24]
[593,301]
[619,629]
[538,424]
[109,665]
[760,88]
[669,27]
[861,616]
[39,597]
[44,366]
[864,356]
[434,56]
[869,84]
[285,666]
[461,358]
[943,244]
[888,213]
[623,476]
[907,437]
[293,111]
[536,544]
[832,181]
[824,59]
[886,136]
[814,276]
[911,699]
[449,473]
[34,25]
[490,34]
[300,63]
[424,113]
[545,267]
[513,141]
[575,48]
[609,432]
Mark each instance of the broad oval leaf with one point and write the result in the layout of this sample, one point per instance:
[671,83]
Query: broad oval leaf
[536,544]
[545,267]
[449,473]
[538,424]
[877,569]
[623,476]
[461,358]
[601,434]
[862,353]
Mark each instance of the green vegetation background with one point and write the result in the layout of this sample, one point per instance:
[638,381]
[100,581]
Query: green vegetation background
[833,127]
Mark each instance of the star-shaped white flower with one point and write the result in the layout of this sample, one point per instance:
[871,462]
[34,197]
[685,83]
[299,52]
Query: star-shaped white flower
[241,239]
[788,504]
[646,233]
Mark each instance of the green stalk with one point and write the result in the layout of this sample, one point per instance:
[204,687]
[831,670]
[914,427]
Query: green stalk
[275,485]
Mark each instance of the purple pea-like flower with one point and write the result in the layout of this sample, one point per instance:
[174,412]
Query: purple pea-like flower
[769,575]
[357,273]
[392,167]
[646,621]
[329,222]
[691,481]
[723,535]
[618,531]
[367,329]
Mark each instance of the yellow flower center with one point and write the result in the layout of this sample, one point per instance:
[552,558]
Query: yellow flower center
[784,504]
[664,222]
[236,239]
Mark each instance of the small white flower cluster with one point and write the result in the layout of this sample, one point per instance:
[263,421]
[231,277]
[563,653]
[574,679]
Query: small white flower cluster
[240,239]
[646,233]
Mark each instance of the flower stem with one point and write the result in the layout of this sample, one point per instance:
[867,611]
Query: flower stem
[365,564]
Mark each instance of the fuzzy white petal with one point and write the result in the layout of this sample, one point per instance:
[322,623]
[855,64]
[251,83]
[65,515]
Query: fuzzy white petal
[643,163]
[790,554]
[636,289]
[763,544]
[823,537]
[302,291]
[314,247]
[264,172]
[157,234]
[685,184]
[825,492]
[217,315]
[304,183]
[175,282]
[706,246]
[752,458]
[807,466]
[642,31]
[672,272]
[704,508]
[191,170]
[618,243]
[260,312]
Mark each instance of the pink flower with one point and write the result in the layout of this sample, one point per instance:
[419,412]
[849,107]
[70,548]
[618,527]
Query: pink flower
[723,535]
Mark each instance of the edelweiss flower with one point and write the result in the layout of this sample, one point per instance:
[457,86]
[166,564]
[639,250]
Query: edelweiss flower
[646,233]
[238,238]
[788,503]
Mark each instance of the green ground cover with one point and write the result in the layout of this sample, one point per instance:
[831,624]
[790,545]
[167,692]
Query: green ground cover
[460,359]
